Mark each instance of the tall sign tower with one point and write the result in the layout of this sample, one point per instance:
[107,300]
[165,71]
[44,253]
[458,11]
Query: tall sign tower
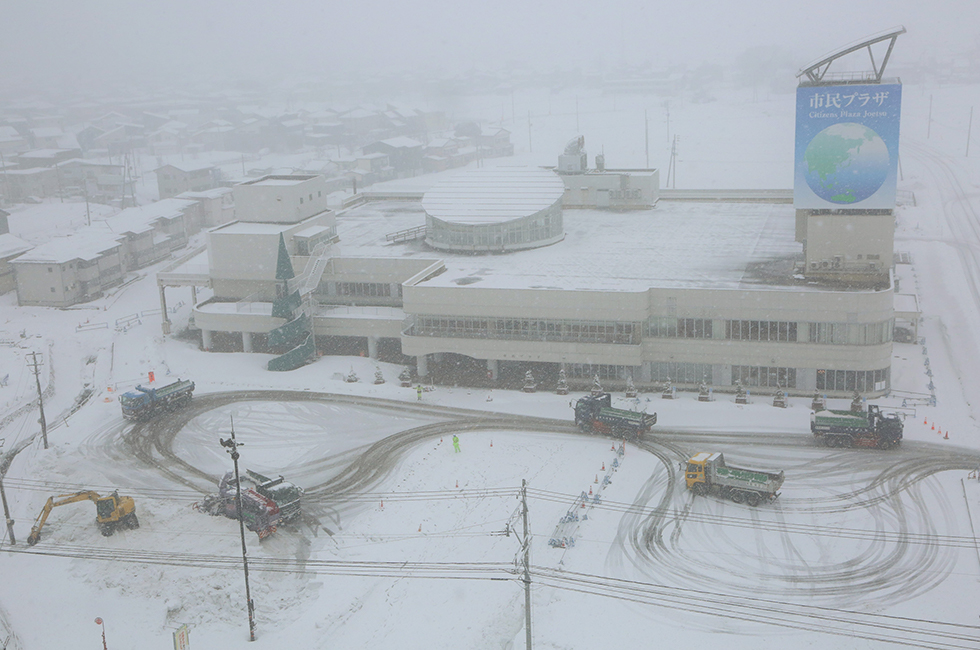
[846,165]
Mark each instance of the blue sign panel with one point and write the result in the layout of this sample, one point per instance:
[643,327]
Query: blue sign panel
[847,146]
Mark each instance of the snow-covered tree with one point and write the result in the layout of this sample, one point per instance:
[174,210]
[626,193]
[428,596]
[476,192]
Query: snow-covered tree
[562,382]
[630,388]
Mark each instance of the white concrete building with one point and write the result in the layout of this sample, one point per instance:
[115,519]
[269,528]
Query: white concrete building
[689,291]
[494,210]
[68,270]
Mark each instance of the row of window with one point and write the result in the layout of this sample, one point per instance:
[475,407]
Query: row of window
[602,370]
[497,235]
[786,331]
[851,333]
[619,332]
[528,330]
[851,380]
[681,373]
[765,376]
[373,289]
[319,194]
[760,330]
[685,328]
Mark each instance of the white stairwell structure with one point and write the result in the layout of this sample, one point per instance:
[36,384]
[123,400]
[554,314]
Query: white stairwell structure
[307,281]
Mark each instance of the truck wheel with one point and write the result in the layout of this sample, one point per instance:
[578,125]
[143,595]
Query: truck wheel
[107,529]
[847,441]
[583,427]
[700,489]
[884,443]
[738,497]
[752,498]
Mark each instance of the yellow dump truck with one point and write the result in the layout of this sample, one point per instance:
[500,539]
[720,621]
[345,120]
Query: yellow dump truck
[707,472]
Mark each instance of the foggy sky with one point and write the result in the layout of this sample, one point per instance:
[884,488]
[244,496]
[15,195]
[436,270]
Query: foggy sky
[44,43]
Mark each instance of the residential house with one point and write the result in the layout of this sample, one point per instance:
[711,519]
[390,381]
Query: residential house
[176,178]
[11,141]
[18,184]
[100,181]
[404,154]
[68,270]
[149,233]
[217,205]
[10,248]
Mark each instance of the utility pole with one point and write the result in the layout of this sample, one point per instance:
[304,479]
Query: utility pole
[969,128]
[232,448]
[6,510]
[36,365]
[646,136]
[530,148]
[526,544]
[929,126]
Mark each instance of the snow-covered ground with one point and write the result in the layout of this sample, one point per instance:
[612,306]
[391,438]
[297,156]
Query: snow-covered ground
[863,549]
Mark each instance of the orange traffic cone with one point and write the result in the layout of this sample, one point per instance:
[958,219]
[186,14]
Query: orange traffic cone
[382,504]
[925,421]
[613,448]
[583,504]
[457,483]
[933,427]
[491,443]
[946,437]
[603,466]
[420,528]
[940,432]
[590,490]
[596,478]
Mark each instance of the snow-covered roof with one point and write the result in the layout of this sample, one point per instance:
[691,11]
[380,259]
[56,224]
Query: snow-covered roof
[88,244]
[677,244]
[11,246]
[140,219]
[47,132]
[402,142]
[187,167]
[494,195]
[252,228]
[214,193]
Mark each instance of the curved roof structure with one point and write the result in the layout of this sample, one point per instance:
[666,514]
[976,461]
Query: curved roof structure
[496,195]
[817,70]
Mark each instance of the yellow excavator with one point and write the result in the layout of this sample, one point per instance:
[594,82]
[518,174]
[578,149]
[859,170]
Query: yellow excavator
[110,511]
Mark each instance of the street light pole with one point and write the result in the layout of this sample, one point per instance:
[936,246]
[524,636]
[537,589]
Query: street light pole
[99,621]
[232,448]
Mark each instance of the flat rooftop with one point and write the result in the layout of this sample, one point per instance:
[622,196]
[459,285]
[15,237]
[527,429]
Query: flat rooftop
[682,245]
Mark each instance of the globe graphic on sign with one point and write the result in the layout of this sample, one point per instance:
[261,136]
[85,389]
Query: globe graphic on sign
[846,163]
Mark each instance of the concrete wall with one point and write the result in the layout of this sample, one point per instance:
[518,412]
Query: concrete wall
[243,260]
[842,242]
[611,189]
[280,199]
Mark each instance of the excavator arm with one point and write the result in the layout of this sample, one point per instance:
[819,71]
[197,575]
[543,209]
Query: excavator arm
[53,502]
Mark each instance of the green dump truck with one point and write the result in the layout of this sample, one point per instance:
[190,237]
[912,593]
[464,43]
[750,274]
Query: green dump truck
[869,428]
[707,472]
[595,413]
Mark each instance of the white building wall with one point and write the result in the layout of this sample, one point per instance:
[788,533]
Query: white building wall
[280,199]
